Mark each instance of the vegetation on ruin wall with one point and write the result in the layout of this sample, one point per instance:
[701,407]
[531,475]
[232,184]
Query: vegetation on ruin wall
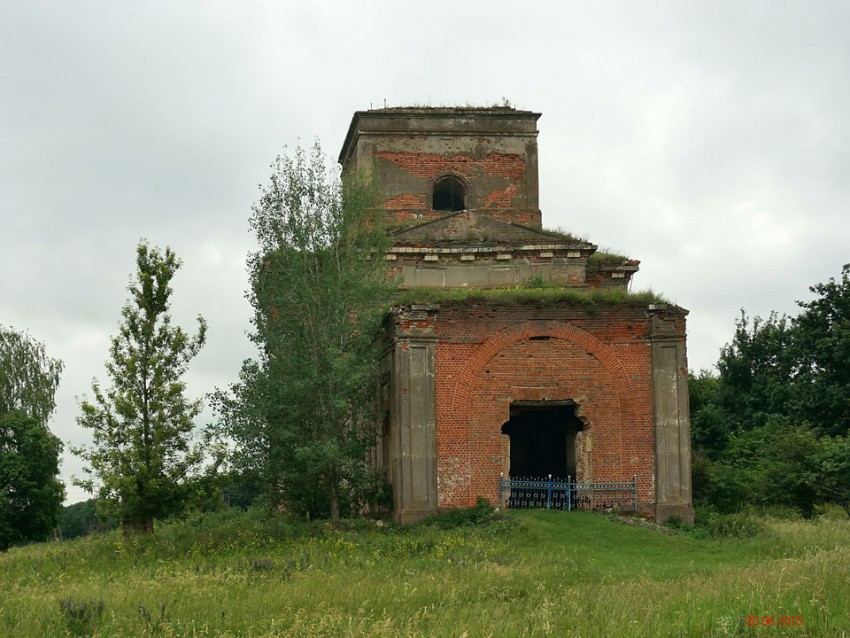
[529,574]
[563,234]
[532,295]
[605,257]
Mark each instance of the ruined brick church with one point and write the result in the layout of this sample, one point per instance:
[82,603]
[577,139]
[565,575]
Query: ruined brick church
[508,365]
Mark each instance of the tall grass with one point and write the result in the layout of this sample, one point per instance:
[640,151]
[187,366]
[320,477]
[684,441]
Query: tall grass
[523,574]
[538,293]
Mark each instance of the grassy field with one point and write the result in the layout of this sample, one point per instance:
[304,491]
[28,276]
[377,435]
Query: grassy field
[524,574]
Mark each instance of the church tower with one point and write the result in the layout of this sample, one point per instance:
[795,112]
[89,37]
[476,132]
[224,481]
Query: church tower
[504,356]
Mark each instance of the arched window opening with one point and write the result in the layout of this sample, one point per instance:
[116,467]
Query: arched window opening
[449,194]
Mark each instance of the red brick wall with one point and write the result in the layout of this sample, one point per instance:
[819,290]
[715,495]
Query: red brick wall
[429,165]
[500,198]
[406,200]
[497,181]
[601,359]
[526,217]
[413,215]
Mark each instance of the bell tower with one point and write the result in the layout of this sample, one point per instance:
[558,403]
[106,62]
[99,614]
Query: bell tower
[434,161]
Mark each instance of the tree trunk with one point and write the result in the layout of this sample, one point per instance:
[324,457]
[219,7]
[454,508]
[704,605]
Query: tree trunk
[334,500]
[138,527]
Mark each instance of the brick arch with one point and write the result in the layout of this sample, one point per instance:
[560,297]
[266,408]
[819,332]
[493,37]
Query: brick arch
[476,480]
[556,329]
[450,172]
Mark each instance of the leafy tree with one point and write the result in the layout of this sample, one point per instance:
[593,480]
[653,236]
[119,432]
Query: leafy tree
[823,356]
[142,426]
[28,377]
[300,414]
[756,370]
[793,366]
[772,427]
[710,423]
[30,492]
[833,483]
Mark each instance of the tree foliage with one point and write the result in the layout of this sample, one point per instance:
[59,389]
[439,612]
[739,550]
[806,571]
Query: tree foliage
[28,377]
[833,465]
[711,425]
[142,425]
[822,353]
[772,427]
[80,519]
[756,369]
[300,414]
[30,492]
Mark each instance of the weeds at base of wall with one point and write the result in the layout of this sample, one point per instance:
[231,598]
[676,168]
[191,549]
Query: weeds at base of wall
[709,523]
[481,513]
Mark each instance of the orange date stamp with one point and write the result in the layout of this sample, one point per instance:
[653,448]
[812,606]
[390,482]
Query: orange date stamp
[772,621]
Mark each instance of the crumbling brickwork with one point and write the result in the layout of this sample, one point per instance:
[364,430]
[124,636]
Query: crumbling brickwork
[492,151]
[461,187]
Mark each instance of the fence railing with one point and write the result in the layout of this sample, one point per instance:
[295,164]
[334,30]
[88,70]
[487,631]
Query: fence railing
[549,493]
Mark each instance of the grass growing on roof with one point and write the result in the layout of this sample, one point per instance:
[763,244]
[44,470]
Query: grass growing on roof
[607,257]
[563,234]
[531,295]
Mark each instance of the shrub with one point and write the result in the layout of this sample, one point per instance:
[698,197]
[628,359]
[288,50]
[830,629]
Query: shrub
[738,525]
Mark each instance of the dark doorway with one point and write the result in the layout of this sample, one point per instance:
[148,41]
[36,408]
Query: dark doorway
[543,439]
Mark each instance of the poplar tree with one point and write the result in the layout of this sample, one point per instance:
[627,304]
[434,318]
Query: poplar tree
[142,451]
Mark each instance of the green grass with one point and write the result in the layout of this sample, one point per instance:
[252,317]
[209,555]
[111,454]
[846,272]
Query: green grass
[608,257]
[526,574]
[531,295]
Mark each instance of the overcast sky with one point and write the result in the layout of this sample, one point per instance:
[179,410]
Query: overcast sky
[707,139]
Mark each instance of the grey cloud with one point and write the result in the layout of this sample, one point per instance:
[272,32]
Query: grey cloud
[709,140]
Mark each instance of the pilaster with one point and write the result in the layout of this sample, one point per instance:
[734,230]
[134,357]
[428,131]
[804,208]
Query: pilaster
[671,414]
[413,460]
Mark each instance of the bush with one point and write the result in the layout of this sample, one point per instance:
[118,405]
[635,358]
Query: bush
[723,485]
[676,523]
[737,525]
[776,464]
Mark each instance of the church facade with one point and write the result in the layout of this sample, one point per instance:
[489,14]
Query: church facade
[513,351]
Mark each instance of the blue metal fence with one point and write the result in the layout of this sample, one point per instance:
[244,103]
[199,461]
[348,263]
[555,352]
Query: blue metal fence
[549,493]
